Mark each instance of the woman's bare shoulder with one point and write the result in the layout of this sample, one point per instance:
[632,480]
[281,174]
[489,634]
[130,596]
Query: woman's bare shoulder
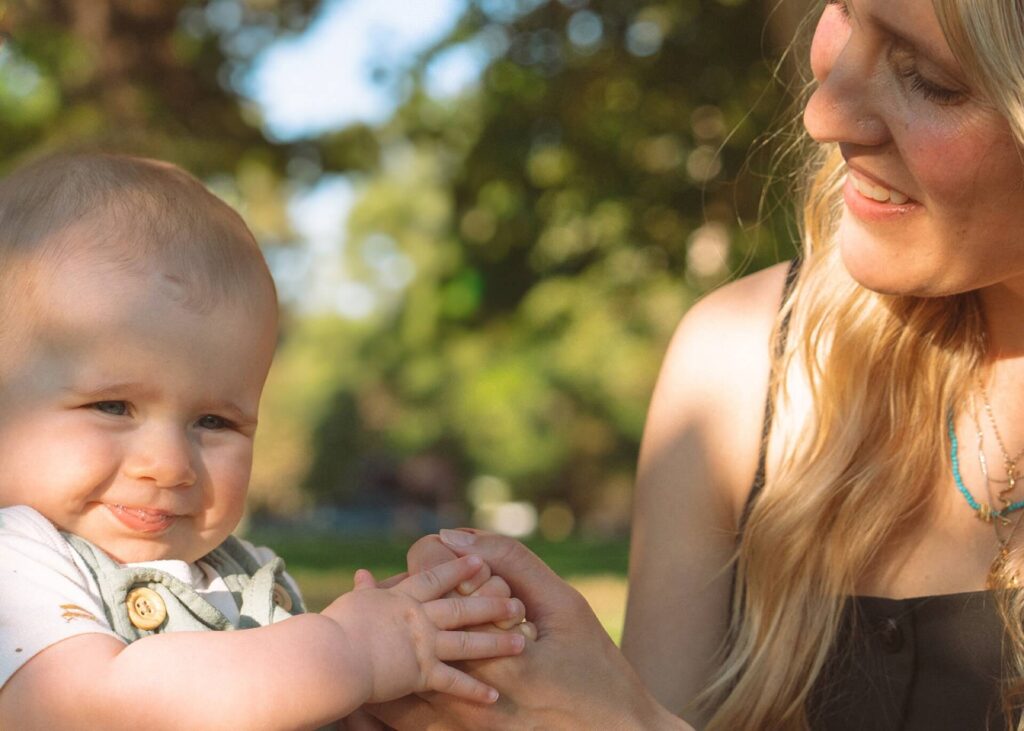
[697,462]
[716,371]
[739,313]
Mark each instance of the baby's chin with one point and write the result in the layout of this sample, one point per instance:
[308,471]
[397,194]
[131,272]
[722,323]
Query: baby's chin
[138,550]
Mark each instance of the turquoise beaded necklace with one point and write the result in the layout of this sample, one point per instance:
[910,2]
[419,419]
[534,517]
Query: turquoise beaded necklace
[983,511]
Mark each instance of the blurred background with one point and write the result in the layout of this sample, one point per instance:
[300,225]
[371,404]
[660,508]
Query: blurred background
[485,219]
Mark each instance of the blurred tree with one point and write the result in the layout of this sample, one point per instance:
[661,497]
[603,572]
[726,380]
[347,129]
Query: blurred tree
[537,238]
[152,77]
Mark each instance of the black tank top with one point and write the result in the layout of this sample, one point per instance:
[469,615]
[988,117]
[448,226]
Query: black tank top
[925,663]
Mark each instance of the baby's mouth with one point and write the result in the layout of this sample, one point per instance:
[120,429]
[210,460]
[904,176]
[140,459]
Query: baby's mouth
[142,519]
[877,192]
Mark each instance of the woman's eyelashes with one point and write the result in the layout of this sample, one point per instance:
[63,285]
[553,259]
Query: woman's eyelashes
[841,4]
[931,91]
[905,67]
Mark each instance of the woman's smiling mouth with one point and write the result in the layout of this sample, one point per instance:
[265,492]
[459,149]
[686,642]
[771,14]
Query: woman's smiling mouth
[871,201]
[877,193]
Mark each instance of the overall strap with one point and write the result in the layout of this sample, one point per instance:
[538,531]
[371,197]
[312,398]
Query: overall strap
[140,601]
[259,590]
[780,346]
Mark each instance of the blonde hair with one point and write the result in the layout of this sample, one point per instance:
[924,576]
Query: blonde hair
[133,213]
[860,392]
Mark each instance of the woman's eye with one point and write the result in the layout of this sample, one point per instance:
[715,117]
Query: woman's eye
[932,91]
[210,421]
[114,408]
[904,65]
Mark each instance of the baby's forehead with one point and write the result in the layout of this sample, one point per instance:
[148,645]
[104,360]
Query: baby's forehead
[67,304]
[86,316]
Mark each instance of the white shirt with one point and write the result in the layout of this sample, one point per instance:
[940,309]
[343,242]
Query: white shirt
[48,594]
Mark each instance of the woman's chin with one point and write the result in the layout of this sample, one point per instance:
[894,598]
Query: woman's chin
[893,275]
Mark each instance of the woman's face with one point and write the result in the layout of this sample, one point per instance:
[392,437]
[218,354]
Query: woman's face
[934,194]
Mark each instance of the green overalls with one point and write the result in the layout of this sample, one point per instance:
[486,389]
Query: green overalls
[141,601]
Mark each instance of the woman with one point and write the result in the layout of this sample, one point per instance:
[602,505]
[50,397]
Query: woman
[894,364]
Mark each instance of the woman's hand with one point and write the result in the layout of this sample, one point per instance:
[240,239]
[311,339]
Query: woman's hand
[571,677]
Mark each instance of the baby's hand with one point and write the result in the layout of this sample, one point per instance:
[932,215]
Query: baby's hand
[429,551]
[404,635]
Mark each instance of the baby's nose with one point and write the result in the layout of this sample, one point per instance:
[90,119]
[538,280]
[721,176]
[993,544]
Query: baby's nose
[161,454]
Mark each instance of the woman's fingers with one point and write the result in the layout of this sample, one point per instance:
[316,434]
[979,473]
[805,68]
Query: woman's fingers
[360,720]
[452,646]
[392,581]
[441,579]
[475,582]
[494,586]
[428,552]
[527,630]
[446,679]
[531,579]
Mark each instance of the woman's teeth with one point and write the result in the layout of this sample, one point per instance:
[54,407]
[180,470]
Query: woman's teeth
[877,192]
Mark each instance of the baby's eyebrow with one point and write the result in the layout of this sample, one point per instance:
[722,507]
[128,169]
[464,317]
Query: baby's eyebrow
[111,390]
[231,410]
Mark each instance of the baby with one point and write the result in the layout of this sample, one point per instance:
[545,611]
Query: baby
[138,324]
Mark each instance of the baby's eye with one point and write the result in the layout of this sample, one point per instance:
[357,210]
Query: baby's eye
[211,421]
[114,408]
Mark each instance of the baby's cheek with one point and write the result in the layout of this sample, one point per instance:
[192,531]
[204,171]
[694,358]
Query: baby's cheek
[228,470]
[64,457]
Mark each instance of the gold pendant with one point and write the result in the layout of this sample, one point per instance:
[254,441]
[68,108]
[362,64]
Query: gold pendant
[1011,482]
[1000,575]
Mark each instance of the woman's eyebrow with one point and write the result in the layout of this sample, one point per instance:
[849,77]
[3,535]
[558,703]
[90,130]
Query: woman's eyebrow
[921,47]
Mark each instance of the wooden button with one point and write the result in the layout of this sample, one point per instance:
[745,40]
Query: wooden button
[282,598]
[146,609]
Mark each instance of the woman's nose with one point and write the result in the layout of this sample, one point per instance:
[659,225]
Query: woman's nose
[846,105]
[161,454]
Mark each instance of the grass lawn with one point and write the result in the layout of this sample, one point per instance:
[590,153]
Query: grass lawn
[323,566]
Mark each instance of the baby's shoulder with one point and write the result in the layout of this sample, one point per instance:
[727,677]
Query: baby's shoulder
[20,524]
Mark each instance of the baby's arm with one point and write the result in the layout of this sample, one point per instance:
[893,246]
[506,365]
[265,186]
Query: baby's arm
[369,645]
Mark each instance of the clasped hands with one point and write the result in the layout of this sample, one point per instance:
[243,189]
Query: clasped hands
[569,676]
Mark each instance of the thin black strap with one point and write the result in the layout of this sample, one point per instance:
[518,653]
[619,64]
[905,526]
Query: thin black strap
[780,347]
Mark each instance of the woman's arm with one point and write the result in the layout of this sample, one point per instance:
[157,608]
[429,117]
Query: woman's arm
[697,462]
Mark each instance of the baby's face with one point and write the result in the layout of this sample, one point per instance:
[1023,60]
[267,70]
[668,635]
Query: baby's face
[128,418]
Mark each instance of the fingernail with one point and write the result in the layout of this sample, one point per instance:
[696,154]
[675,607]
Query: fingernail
[466,588]
[528,630]
[474,561]
[492,695]
[456,537]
